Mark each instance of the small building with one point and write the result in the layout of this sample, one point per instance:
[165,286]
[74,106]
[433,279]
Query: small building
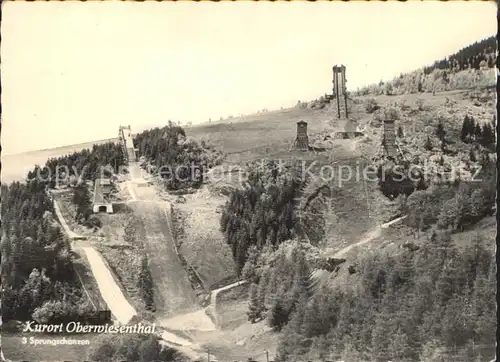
[301,141]
[102,192]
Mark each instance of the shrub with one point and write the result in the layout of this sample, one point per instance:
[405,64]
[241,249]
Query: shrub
[140,348]
[403,105]
[81,198]
[371,105]
[428,144]
[58,311]
[391,113]
[104,352]
[394,182]
[145,284]
[420,104]
[93,222]
[388,89]
[301,105]
[400,132]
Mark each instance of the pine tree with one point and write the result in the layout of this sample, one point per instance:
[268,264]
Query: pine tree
[477,132]
[456,328]
[278,315]
[272,287]
[311,323]
[472,155]
[488,137]
[255,308]
[380,337]
[484,309]
[149,349]
[81,198]
[319,350]
[242,244]
[302,275]
[263,283]
[399,348]
[440,132]
[400,132]
[291,346]
[428,144]
[466,128]
[249,270]
[485,160]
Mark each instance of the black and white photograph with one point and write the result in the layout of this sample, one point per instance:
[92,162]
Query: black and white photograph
[248,181]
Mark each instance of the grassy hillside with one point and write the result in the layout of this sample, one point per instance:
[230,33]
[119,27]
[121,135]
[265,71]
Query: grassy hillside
[201,242]
[433,108]
[355,206]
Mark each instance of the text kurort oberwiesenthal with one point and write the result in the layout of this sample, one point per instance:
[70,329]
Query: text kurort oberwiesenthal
[77,327]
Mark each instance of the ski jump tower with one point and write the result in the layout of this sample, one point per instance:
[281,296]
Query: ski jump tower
[339,87]
[389,138]
[339,92]
[125,136]
[390,144]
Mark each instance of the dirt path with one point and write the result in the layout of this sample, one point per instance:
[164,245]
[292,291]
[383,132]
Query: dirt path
[71,235]
[172,338]
[215,292]
[368,237]
[193,321]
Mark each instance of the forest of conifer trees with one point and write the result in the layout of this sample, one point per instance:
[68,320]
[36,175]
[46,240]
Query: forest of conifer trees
[38,279]
[173,157]
[262,213]
[436,303]
[87,164]
[469,57]
[37,261]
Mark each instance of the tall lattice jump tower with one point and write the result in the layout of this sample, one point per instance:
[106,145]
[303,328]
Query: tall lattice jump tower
[340,90]
[301,141]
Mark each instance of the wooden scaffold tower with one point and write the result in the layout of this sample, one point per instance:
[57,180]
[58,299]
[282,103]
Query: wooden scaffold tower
[301,141]
[339,91]
[390,144]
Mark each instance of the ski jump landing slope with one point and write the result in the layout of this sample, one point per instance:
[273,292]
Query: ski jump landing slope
[111,293]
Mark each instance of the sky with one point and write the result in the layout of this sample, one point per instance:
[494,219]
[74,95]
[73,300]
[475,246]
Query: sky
[72,72]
